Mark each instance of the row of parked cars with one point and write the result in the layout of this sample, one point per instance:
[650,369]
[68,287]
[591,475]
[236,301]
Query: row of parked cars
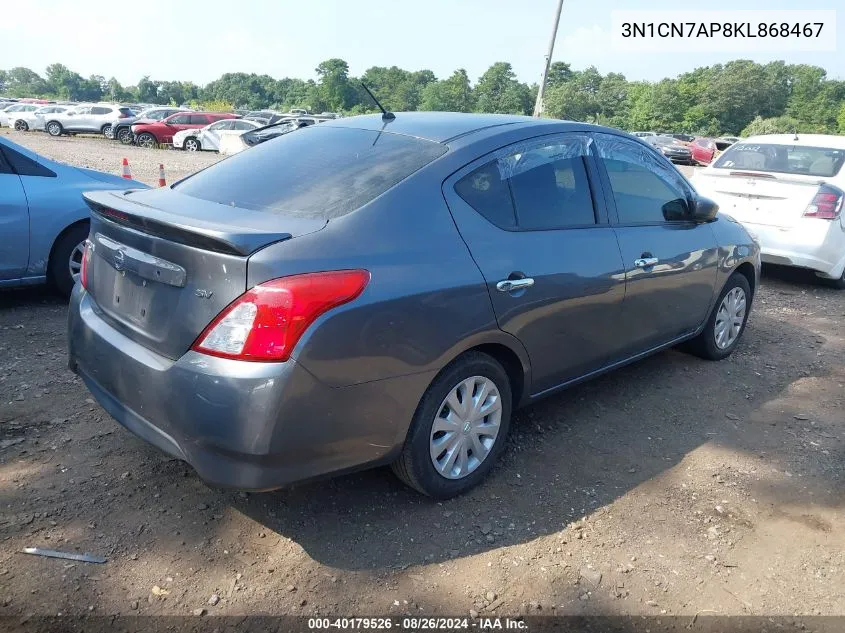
[181,127]
[687,149]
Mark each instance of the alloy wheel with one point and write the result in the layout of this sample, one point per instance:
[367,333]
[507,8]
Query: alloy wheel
[191,145]
[729,318]
[75,261]
[465,428]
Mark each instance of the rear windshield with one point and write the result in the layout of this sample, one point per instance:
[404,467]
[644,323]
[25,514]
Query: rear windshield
[318,172]
[783,159]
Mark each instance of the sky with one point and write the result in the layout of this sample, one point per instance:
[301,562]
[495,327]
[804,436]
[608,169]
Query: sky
[199,40]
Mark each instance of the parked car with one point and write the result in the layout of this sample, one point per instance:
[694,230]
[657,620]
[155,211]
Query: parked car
[209,137]
[730,139]
[363,292]
[671,148]
[90,118]
[788,191]
[34,120]
[262,116]
[704,150]
[121,129]
[10,112]
[238,143]
[161,132]
[643,134]
[684,138]
[45,219]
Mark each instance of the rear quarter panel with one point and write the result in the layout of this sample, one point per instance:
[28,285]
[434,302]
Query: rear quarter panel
[736,247]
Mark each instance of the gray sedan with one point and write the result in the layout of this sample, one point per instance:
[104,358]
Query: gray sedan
[394,293]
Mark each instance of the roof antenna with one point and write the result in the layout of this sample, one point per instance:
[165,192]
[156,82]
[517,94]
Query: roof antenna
[385,115]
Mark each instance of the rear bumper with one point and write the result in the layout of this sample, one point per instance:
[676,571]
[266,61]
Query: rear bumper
[812,243]
[251,426]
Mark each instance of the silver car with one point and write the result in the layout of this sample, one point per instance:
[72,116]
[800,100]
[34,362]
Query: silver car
[7,115]
[92,118]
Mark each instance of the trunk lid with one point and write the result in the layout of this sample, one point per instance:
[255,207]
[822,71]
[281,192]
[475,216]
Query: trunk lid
[164,264]
[760,198]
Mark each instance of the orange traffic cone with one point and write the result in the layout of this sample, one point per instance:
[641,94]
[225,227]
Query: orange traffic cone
[161,181]
[126,173]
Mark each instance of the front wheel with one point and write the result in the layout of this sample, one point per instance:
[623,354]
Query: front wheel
[124,135]
[54,128]
[21,126]
[727,321]
[459,429]
[147,140]
[191,145]
[108,132]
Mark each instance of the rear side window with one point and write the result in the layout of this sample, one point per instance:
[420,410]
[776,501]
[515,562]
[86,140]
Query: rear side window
[100,110]
[538,187]
[199,119]
[646,188]
[126,111]
[179,119]
[319,172]
[824,162]
[24,166]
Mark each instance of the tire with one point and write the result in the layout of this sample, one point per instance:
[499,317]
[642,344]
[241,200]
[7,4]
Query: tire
[416,464]
[191,144]
[839,284]
[54,128]
[147,140]
[108,131]
[124,135]
[706,344]
[58,267]
[21,126]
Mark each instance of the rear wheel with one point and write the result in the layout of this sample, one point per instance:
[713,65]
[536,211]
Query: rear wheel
[727,321]
[838,283]
[191,145]
[124,135]
[21,126]
[108,131]
[54,128]
[459,429]
[66,259]
[147,140]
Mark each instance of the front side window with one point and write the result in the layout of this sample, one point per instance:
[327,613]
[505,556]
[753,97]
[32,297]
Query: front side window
[220,125]
[646,188]
[536,186]
[178,119]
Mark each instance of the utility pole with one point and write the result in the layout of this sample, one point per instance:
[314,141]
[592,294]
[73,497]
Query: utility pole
[538,106]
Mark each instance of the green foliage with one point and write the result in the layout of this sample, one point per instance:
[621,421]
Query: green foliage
[773,125]
[216,105]
[721,99]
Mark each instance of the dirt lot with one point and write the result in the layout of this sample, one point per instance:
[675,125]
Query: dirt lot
[97,152]
[673,486]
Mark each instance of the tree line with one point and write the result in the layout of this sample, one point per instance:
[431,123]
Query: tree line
[739,97]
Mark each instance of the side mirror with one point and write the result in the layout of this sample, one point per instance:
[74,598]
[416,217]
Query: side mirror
[704,209]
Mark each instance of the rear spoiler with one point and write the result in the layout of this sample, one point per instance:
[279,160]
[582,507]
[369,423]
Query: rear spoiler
[217,237]
[776,176]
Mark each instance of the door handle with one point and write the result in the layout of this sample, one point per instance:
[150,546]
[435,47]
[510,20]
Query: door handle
[509,285]
[645,262]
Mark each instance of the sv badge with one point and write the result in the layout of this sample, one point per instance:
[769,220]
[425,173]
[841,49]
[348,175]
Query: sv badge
[203,294]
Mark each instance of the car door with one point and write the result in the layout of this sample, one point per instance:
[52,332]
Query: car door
[210,136]
[79,119]
[670,260]
[173,124]
[540,237]
[100,116]
[14,223]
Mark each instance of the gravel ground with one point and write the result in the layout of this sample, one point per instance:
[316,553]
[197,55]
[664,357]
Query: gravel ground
[97,152]
[673,486]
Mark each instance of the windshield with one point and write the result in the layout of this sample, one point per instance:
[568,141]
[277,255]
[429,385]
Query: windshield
[783,159]
[319,172]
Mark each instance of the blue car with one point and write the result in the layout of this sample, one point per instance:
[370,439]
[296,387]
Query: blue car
[43,219]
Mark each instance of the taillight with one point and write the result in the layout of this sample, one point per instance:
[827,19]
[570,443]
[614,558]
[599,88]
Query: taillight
[826,204]
[86,259]
[267,321]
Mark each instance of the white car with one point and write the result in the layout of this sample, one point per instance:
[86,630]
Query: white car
[788,191]
[7,115]
[34,120]
[86,117]
[210,136]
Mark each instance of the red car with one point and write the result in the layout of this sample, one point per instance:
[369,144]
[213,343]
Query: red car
[705,150]
[161,132]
